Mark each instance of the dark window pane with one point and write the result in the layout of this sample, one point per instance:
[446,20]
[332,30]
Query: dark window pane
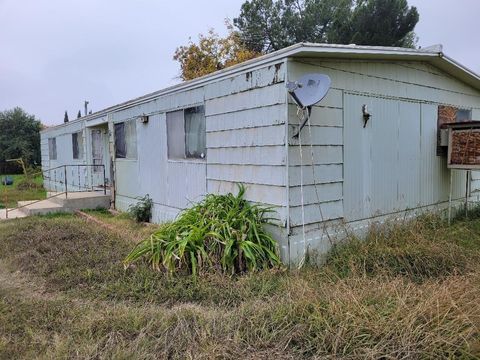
[120,146]
[75,145]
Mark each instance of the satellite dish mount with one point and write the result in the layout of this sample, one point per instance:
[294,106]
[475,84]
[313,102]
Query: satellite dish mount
[309,90]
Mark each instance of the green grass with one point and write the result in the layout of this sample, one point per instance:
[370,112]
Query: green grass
[10,195]
[410,291]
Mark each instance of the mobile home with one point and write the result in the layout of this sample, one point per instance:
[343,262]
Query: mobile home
[345,171]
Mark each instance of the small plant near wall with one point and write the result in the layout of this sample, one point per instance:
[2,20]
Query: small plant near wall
[142,210]
[221,233]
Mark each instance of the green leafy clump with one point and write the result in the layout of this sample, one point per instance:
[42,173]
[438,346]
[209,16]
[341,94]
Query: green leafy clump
[142,210]
[222,232]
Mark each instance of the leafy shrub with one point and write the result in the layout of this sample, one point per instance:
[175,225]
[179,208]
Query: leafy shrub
[222,232]
[142,210]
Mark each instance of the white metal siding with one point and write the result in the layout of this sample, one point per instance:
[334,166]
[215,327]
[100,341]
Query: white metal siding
[324,137]
[246,136]
[389,166]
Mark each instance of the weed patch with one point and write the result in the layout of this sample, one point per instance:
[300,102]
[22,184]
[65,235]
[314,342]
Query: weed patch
[420,249]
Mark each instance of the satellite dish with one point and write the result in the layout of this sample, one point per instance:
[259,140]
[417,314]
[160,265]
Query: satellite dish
[310,89]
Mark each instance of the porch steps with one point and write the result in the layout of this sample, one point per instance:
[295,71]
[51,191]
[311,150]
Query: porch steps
[58,202]
[39,208]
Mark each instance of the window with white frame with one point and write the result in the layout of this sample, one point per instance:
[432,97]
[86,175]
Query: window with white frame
[52,148]
[126,140]
[77,145]
[186,133]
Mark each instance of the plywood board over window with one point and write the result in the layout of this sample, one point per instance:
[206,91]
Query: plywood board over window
[464,148]
[449,115]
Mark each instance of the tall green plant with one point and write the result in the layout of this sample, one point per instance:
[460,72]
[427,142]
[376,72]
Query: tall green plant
[222,232]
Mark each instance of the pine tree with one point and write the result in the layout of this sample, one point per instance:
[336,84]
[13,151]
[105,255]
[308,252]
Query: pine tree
[65,118]
[79,115]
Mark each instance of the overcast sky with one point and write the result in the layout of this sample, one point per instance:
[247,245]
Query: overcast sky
[54,54]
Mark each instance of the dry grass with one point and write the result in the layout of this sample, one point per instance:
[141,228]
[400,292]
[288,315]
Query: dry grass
[411,293]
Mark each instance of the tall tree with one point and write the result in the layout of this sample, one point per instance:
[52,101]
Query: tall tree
[79,115]
[380,22]
[269,25]
[65,117]
[19,136]
[212,53]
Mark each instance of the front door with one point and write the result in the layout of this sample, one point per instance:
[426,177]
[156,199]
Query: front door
[97,157]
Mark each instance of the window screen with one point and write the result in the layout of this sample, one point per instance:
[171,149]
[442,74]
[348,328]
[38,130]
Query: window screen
[176,135]
[195,136]
[77,145]
[126,140]
[186,136]
[52,148]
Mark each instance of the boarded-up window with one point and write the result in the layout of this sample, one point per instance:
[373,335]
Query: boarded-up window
[449,115]
[77,145]
[464,149]
[126,140]
[52,148]
[186,135]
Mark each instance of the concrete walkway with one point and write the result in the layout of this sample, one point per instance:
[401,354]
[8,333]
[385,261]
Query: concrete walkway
[12,214]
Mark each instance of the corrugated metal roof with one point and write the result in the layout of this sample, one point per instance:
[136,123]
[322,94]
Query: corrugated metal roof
[433,55]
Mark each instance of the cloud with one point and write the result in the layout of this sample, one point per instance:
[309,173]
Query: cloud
[56,53]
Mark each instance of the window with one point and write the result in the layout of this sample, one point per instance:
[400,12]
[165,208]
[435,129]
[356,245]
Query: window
[52,148]
[77,145]
[464,115]
[126,140]
[186,136]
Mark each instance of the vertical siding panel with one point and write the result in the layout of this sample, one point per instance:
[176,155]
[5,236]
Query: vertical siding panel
[409,143]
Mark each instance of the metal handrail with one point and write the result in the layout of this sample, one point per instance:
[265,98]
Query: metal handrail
[102,166]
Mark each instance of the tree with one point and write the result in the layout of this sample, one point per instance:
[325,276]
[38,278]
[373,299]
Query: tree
[270,25]
[212,53]
[381,22]
[65,118]
[19,136]
[79,115]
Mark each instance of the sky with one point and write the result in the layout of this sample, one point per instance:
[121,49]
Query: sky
[54,54]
